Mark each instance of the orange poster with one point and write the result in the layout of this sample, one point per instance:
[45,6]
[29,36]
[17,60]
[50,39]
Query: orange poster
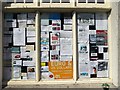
[61,69]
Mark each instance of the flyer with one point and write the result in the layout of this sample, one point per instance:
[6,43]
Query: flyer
[16,73]
[44,56]
[85,18]
[54,55]
[93,69]
[55,38]
[84,71]
[102,69]
[66,46]
[19,37]
[31,72]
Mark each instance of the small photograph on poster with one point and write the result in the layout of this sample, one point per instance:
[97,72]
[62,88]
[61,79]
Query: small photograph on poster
[17,62]
[55,38]
[85,18]
[16,56]
[84,70]
[45,68]
[83,47]
[101,37]
[31,72]
[102,69]
[44,56]
[54,47]
[93,69]
[44,47]
[47,76]
[54,55]
[92,38]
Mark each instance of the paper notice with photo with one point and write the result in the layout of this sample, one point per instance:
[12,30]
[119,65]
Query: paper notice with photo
[55,38]
[102,69]
[45,68]
[17,62]
[93,67]
[54,55]
[19,36]
[31,72]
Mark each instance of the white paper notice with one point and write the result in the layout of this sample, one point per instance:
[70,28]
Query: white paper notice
[66,46]
[66,34]
[84,70]
[67,27]
[45,68]
[29,63]
[19,36]
[101,21]
[31,39]
[16,72]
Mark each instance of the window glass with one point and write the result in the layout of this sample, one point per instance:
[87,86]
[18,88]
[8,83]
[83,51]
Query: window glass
[19,46]
[81,1]
[45,1]
[55,1]
[92,45]
[56,46]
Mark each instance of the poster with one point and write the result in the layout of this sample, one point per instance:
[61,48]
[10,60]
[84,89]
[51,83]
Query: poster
[101,21]
[102,69]
[84,71]
[66,46]
[55,38]
[101,37]
[45,38]
[83,33]
[93,69]
[31,72]
[56,25]
[19,37]
[47,76]
[85,19]
[61,69]
[54,55]
[45,56]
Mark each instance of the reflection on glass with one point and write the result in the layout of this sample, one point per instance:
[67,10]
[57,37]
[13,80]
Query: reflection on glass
[100,1]
[81,1]
[55,1]
[45,1]
[91,1]
[65,1]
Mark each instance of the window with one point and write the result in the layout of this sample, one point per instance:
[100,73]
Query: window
[56,46]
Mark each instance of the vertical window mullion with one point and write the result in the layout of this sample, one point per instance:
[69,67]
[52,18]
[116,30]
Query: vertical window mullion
[74,46]
[37,46]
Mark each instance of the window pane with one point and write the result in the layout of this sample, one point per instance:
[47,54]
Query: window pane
[65,1]
[55,1]
[91,1]
[92,45]
[28,1]
[100,1]
[9,1]
[81,1]
[56,46]
[45,1]
[19,1]
[19,46]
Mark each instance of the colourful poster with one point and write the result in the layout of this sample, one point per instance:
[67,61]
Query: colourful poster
[61,69]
